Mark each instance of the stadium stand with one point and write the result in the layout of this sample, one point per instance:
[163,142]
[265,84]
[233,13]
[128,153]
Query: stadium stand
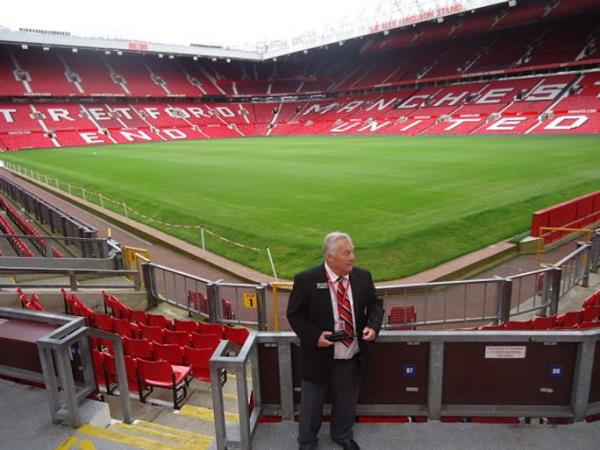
[549,103]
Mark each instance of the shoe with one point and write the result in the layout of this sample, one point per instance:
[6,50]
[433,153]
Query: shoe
[349,445]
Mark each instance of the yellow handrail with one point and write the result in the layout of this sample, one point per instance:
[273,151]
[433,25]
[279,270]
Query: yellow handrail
[276,286]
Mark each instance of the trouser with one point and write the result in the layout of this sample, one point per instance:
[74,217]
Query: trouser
[343,386]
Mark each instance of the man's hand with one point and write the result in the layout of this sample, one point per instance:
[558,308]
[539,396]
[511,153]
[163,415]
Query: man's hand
[324,342]
[368,334]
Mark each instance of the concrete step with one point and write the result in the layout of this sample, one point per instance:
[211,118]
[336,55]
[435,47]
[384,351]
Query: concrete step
[139,435]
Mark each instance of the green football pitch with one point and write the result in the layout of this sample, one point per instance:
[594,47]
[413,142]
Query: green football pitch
[409,203]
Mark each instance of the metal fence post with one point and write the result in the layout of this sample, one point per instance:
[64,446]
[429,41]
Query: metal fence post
[212,298]
[595,251]
[261,308]
[149,282]
[586,260]
[436,376]
[73,280]
[582,379]
[504,300]
[555,280]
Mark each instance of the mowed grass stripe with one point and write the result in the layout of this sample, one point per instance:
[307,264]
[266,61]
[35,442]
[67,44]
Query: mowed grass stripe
[410,203]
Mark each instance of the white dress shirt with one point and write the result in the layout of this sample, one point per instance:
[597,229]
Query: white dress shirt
[340,351]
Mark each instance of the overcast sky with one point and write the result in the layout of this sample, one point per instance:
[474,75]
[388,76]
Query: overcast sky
[222,22]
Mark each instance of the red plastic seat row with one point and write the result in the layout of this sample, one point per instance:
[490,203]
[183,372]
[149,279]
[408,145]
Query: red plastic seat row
[401,317]
[143,375]
[227,309]
[198,301]
[18,245]
[568,320]
[145,348]
[592,300]
[24,225]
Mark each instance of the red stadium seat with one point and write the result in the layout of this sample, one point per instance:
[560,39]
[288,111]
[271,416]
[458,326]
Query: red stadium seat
[138,348]
[155,334]
[198,359]
[401,316]
[185,325]
[544,323]
[158,320]
[211,328]
[177,337]
[205,340]
[164,375]
[172,353]
[236,334]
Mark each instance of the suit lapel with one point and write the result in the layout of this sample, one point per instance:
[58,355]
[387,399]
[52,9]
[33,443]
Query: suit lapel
[355,300]
[324,294]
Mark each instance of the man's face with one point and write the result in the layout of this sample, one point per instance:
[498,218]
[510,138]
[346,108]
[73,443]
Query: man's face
[341,258]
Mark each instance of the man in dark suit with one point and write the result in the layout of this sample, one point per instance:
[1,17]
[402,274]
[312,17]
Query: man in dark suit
[331,297]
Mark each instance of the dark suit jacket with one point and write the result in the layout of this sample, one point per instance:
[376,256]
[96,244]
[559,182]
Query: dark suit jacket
[310,313]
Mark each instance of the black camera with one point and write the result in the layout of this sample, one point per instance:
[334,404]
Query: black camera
[337,336]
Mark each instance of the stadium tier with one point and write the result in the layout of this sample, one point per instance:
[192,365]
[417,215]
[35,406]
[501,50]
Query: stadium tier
[503,70]
[543,104]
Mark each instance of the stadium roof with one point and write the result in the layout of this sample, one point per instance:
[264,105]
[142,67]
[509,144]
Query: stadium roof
[257,31]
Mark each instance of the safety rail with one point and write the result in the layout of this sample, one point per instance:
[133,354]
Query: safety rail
[446,302]
[557,374]
[478,300]
[217,301]
[75,279]
[66,364]
[58,221]
[595,252]
[575,267]
[534,291]
[64,247]
[221,364]
[443,303]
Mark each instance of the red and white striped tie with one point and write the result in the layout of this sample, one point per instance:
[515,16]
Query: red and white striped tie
[344,309]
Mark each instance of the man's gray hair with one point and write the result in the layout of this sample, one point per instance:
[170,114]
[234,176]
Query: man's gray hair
[331,240]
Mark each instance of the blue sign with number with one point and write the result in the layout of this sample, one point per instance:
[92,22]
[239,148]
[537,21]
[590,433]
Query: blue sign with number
[409,370]
[557,370]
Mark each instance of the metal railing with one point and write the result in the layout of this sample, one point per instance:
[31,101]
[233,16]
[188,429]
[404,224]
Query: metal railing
[74,279]
[533,291]
[575,268]
[446,302]
[556,367]
[595,252]
[217,301]
[221,364]
[61,352]
[58,221]
[477,301]
[58,247]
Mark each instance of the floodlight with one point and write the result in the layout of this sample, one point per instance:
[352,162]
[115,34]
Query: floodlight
[107,52]
[195,58]
[171,56]
[228,60]
[119,52]
[46,49]
[512,3]
[74,50]
[160,55]
[386,32]
[305,51]
[213,59]
[24,46]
